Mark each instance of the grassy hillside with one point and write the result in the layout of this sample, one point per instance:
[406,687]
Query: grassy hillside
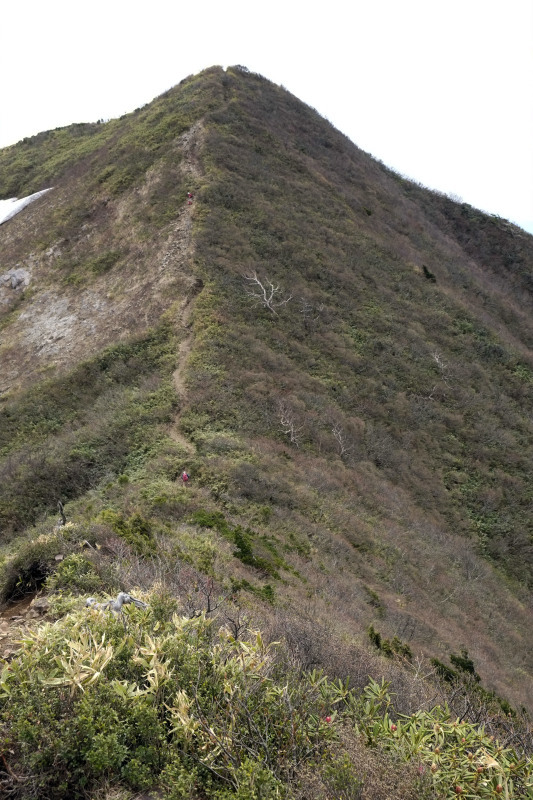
[385,401]
[341,360]
[387,338]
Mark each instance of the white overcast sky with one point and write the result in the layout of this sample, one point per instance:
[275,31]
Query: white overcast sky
[441,91]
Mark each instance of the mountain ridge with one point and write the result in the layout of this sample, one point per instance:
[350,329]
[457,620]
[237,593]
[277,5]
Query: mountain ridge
[370,441]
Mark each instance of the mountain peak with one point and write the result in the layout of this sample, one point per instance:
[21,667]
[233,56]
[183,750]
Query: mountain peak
[340,358]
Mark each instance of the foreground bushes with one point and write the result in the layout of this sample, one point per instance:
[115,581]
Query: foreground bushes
[39,561]
[154,700]
[175,704]
[456,756]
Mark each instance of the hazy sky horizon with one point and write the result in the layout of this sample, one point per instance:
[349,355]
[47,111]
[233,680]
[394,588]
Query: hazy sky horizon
[440,92]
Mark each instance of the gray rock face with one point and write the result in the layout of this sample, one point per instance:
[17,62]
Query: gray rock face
[12,284]
[15,279]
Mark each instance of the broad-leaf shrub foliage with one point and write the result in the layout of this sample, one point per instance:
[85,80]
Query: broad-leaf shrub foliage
[182,705]
[178,704]
[458,756]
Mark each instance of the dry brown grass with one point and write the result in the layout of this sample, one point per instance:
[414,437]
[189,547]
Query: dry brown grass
[67,313]
[380,777]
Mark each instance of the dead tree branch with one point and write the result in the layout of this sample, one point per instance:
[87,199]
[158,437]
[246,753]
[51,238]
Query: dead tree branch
[340,436]
[269,295]
[289,423]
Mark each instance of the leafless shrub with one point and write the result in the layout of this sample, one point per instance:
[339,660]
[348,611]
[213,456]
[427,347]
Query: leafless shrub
[310,312]
[380,445]
[199,593]
[236,620]
[289,422]
[196,593]
[469,563]
[345,446]
[266,293]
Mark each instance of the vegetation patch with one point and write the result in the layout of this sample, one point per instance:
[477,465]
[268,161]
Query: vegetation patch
[110,708]
[136,531]
[60,438]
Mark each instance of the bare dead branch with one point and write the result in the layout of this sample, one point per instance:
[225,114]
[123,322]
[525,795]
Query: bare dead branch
[269,295]
[289,423]
[237,621]
[340,436]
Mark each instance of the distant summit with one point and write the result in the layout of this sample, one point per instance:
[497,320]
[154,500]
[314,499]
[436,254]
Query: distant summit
[340,359]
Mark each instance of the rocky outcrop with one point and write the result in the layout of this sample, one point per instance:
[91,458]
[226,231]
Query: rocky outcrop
[12,284]
[15,279]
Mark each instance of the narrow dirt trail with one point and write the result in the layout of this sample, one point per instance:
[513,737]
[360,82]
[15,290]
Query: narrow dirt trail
[17,619]
[178,376]
[179,254]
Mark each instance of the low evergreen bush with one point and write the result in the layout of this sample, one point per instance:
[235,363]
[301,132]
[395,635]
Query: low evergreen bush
[146,701]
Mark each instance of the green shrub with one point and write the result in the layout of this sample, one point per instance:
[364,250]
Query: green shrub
[75,574]
[211,519]
[429,275]
[103,263]
[244,545]
[459,757]
[375,637]
[389,647]
[158,700]
[268,593]
[375,601]
[465,664]
[244,551]
[35,559]
[136,530]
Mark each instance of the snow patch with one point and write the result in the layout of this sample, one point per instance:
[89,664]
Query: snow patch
[8,208]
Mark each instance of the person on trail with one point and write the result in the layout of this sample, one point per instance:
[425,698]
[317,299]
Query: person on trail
[189,198]
[184,477]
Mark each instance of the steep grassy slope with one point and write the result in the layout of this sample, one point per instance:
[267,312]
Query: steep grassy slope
[106,251]
[339,358]
[408,391]
[388,323]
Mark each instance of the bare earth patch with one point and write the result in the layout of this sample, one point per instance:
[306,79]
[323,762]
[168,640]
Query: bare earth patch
[55,325]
